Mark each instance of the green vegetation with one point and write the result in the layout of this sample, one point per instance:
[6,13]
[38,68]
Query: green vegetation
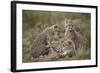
[34,22]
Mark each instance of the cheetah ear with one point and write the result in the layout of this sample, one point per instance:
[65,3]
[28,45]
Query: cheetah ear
[63,44]
[65,21]
[55,26]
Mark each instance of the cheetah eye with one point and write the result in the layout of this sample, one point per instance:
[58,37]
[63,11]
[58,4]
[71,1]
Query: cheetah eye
[53,33]
[69,43]
[72,26]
